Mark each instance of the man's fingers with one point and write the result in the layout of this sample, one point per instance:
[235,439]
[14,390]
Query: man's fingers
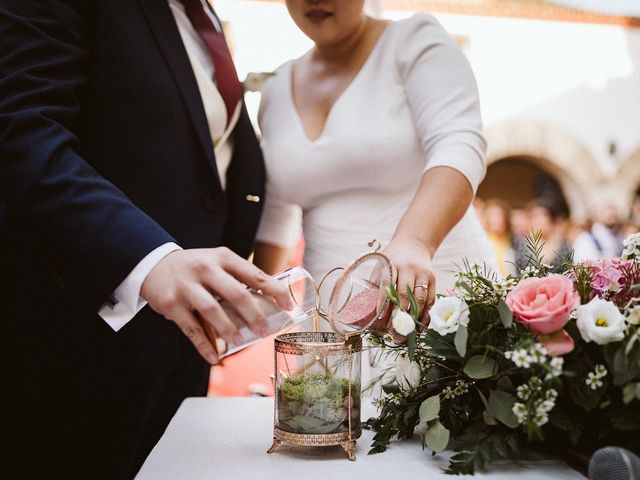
[242,302]
[188,323]
[257,279]
[210,311]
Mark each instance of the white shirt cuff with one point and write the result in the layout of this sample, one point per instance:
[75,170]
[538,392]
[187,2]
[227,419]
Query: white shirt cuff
[126,297]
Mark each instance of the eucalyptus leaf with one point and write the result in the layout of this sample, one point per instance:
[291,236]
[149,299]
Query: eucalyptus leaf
[437,437]
[489,419]
[429,409]
[630,344]
[480,366]
[501,407]
[504,383]
[631,392]
[411,345]
[460,340]
[505,314]
[484,399]
[623,371]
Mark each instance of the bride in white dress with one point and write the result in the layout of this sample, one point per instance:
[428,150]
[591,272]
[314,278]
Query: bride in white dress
[375,133]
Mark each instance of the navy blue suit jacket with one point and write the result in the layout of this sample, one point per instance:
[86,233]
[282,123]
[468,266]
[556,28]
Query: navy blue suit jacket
[105,154]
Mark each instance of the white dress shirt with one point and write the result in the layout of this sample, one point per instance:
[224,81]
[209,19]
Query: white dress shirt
[126,301]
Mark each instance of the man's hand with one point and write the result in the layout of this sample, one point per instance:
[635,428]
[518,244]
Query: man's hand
[186,285]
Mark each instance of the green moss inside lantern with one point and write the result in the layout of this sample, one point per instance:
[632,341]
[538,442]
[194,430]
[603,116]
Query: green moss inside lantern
[318,403]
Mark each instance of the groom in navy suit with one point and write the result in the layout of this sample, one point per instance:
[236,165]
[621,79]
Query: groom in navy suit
[127,164]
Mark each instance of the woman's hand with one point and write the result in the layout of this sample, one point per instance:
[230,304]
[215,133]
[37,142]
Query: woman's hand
[413,270]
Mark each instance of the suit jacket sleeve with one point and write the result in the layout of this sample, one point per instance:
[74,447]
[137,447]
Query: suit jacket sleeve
[50,191]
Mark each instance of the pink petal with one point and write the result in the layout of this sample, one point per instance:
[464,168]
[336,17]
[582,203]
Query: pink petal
[557,343]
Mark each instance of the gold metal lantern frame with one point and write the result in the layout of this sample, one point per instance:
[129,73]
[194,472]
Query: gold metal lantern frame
[332,356]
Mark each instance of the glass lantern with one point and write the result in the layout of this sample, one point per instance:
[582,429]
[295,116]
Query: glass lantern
[317,374]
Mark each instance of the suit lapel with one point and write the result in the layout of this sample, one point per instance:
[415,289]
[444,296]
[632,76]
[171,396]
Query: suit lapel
[165,31]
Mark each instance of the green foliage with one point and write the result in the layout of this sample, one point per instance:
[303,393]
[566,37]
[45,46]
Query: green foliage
[535,248]
[506,317]
[429,409]
[480,367]
[317,388]
[436,437]
[501,407]
[460,340]
[489,389]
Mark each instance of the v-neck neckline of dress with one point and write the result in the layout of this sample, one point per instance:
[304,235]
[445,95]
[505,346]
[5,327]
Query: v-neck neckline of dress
[344,92]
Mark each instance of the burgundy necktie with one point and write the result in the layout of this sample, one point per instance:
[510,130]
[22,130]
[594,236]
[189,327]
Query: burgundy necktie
[225,71]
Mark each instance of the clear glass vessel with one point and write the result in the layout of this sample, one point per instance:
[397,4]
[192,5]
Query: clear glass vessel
[317,374]
[303,292]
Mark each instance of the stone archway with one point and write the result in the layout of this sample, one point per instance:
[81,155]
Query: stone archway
[627,180]
[554,151]
[519,180]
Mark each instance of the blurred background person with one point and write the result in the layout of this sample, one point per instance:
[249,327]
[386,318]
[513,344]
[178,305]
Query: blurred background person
[496,222]
[544,216]
[604,238]
[519,221]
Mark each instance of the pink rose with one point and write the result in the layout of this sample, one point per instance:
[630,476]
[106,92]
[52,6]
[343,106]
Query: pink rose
[543,305]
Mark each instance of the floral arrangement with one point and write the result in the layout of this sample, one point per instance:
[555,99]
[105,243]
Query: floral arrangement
[549,358]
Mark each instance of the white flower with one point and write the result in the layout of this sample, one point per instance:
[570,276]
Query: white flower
[538,353]
[524,392]
[447,313]
[408,373]
[633,315]
[593,381]
[545,406]
[536,384]
[600,321]
[254,80]
[520,411]
[462,387]
[551,394]
[556,364]
[402,322]
[540,419]
[600,371]
[521,358]
[448,393]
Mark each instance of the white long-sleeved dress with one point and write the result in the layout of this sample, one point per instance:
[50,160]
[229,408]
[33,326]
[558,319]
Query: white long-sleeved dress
[413,106]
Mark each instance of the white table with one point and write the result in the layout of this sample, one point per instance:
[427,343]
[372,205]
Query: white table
[227,438]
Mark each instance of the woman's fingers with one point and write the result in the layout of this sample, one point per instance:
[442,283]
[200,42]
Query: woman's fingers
[406,281]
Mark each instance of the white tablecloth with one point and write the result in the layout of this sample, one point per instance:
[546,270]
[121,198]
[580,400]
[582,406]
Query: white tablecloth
[227,438]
